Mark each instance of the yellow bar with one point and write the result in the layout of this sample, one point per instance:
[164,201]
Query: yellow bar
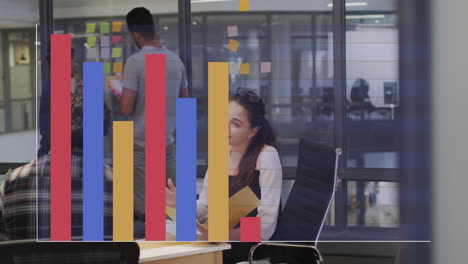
[123,181]
[218,151]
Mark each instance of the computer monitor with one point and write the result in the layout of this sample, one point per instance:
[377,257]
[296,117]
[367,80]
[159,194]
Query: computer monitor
[390,93]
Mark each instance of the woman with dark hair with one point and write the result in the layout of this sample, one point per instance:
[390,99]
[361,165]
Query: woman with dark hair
[253,162]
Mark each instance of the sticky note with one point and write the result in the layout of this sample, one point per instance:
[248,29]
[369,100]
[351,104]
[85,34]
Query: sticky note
[234,68]
[244,68]
[107,67]
[243,5]
[265,66]
[8,172]
[232,31]
[118,66]
[91,41]
[105,53]
[116,26]
[105,28]
[91,28]
[116,52]
[91,53]
[233,45]
[105,41]
[116,39]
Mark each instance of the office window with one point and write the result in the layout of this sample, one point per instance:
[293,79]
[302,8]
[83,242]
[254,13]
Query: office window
[372,120]
[372,204]
[372,88]
[300,94]
[169,31]
[17,95]
[297,89]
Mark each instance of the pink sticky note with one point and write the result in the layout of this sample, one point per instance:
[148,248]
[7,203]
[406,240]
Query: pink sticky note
[265,66]
[116,39]
[105,41]
[232,31]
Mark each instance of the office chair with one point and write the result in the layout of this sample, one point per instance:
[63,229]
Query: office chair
[30,251]
[307,206]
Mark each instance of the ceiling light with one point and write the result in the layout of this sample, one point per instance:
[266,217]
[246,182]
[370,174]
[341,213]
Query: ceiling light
[365,16]
[352,4]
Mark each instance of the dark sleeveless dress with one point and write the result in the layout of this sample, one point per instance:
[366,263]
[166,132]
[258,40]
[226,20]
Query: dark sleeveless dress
[255,186]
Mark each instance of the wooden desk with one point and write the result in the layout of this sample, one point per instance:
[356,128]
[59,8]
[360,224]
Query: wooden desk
[182,252]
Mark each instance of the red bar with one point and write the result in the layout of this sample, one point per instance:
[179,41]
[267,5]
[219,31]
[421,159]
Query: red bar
[60,136]
[250,229]
[155,145]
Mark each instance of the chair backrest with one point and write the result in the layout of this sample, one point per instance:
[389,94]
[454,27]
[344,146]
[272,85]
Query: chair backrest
[310,195]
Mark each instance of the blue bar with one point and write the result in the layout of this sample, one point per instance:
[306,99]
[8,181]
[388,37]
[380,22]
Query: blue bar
[93,151]
[186,169]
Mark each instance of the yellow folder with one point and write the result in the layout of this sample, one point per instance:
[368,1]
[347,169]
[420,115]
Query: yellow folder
[240,204]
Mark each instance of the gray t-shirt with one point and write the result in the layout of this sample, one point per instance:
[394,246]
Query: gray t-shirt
[134,79]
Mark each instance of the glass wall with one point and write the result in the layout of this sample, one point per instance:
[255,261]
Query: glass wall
[99,34]
[290,67]
[300,94]
[289,47]
[372,122]
[17,82]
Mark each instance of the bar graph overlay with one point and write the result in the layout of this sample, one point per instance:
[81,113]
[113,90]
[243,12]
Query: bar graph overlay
[93,151]
[218,150]
[186,169]
[155,147]
[123,181]
[250,229]
[123,155]
[60,189]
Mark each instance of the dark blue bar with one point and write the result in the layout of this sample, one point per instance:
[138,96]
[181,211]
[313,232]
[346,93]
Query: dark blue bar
[93,151]
[186,169]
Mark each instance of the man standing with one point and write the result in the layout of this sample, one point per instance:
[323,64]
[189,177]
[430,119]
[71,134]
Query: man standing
[132,101]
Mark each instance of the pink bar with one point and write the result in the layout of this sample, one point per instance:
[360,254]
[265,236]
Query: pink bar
[155,144]
[60,135]
[250,229]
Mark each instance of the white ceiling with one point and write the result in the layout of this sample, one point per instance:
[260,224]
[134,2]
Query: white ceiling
[18,13]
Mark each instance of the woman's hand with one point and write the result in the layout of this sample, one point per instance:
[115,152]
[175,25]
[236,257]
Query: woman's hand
[171,194]
[203,231]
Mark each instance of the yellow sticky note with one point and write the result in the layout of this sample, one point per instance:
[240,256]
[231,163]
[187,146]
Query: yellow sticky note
[91,28]
[91,41]
[233,45]
[244,68]
[116,26]
[243,5]
[118,66]
[116,52]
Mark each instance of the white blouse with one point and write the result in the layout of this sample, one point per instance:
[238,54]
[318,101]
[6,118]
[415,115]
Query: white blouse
[270,179]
